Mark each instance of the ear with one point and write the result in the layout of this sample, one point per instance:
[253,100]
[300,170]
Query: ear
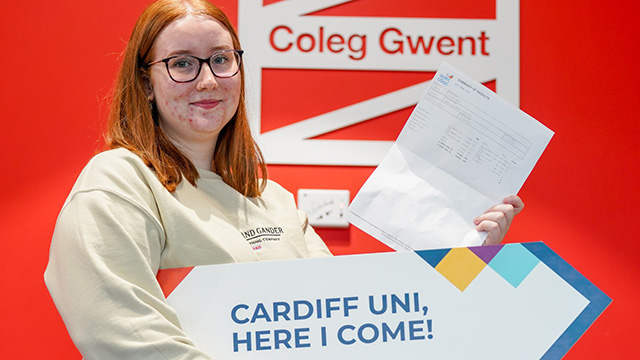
[148,89]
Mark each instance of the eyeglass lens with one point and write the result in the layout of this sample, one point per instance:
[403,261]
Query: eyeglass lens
[186,67]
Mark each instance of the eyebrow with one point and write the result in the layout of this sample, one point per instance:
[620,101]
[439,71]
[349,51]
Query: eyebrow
[189,52]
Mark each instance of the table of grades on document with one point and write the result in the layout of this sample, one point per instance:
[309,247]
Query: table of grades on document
[463,149]
[465,146]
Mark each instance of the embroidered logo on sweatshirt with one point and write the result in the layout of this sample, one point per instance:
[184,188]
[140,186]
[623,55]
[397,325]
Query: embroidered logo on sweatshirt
[259,236]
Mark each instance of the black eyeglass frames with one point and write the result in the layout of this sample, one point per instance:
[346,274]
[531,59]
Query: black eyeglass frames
[186,68]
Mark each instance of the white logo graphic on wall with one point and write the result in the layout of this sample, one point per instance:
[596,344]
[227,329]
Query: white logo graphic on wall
[281,36]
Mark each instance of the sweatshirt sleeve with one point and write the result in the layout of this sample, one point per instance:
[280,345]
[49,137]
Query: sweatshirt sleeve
[315,244]
[104,256]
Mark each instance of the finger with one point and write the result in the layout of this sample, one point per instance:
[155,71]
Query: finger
[498,212]
[493,230]
[496,223]
[516,202]
[498,217]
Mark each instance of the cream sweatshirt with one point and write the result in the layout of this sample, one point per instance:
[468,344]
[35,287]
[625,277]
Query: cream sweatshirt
[119,226]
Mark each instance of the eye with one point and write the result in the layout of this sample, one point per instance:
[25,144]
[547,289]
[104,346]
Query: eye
[182,63]
[220,59]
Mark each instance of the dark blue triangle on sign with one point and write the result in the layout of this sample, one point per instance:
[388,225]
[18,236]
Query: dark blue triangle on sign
[433,257]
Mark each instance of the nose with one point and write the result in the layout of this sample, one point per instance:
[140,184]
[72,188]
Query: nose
[206,79]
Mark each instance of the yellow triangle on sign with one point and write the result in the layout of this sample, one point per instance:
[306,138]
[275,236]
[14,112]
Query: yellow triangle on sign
[460,266]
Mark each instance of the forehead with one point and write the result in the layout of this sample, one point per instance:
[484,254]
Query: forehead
[197,35]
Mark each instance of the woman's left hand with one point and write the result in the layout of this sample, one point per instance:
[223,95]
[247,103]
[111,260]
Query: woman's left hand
[498,218]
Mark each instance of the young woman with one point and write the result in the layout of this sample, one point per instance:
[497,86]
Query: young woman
[181,186]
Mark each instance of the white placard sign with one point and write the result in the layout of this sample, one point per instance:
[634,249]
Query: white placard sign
[514,301]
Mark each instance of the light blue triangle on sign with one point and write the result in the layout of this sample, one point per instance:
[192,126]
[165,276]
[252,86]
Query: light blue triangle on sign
[514,263]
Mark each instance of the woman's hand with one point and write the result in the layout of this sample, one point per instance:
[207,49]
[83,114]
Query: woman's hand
[498,218]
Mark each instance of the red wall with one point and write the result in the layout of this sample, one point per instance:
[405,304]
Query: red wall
[579,76]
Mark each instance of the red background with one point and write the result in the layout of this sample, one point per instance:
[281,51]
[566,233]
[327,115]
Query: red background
[579,76]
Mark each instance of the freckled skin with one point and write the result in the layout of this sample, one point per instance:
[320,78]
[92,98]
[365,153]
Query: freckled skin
[183,121]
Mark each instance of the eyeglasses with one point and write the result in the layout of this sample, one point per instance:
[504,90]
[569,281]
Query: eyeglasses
[186,68]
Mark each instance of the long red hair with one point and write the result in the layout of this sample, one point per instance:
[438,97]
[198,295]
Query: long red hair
[133,123]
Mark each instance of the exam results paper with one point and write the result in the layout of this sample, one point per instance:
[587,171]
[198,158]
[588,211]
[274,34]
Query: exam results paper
[462,150]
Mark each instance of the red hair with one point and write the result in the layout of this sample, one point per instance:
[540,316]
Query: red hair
[133,124]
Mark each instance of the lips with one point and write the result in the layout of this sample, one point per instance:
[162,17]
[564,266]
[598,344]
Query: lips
[206,104]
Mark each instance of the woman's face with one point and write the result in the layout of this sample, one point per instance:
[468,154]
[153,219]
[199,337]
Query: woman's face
[193,113]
